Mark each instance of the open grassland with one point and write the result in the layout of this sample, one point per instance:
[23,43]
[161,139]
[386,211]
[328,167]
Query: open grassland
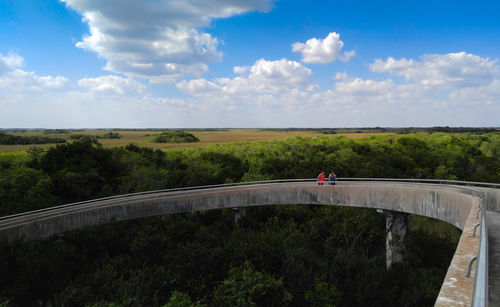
[143,137]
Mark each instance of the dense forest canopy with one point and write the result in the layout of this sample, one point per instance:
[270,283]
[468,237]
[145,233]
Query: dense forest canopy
[285,255]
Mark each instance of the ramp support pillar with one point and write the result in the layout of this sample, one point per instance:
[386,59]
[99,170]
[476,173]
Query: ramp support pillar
[396,225]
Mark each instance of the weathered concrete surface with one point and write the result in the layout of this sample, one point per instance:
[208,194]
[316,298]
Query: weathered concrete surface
[239,213]
[491,198]
[396,225]
[457,289]
[493,222]
[444,203]
[453,204]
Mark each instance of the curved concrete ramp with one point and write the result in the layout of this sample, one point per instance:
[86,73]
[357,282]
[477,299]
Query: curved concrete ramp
[493,220]
[456,205]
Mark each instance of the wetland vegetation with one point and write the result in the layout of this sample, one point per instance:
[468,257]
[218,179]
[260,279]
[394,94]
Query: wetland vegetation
[275,256]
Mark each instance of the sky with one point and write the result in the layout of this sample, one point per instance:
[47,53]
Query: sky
[249,64]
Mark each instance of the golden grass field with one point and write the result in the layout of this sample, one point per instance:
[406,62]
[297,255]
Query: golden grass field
[143,137]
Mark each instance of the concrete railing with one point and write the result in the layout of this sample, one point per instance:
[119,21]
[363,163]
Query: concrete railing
[480,296]
[451,201]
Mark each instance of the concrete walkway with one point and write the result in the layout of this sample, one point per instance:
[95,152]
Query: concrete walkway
[493,222]
[456,205]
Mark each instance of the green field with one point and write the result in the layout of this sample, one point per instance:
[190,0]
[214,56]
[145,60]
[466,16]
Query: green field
[210,137]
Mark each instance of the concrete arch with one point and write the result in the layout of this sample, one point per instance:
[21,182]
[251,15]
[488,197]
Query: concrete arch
[456,205]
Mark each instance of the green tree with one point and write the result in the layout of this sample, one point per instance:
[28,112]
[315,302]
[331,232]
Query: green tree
[81,170]
[323,295]
[179,299]
[247,287]
[24,189]
[175,137]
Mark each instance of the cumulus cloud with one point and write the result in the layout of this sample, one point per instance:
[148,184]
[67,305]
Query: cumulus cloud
[436,81]
[484,95]
[240,69]
[20,80]
[467,94]
[325,50]
[442,70]
[173,102]
[264,77]
[111,85]
[266,94]
[360,87]
[158,40]
[13,78]
[275,76]
[10,62]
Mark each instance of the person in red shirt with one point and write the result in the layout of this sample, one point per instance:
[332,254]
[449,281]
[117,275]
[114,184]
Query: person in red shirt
[321,178]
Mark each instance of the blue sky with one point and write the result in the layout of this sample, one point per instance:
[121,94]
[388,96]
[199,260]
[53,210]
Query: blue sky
[260,63]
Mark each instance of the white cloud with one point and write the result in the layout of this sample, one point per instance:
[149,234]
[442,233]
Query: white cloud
[14,79]
[341,76]
[487,95]
[448,89]
[10,62]
[111,85]
[173,102]
[158,40]
[264,77]
[360,87]
[266,94]
[24,81]
[352,101]
[199,87]
[325,50]
[240,69]
[57,82]
[442,70]
[275,76]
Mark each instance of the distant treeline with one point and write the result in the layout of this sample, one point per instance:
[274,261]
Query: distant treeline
[405,130]
[462,129]
[45,131]
[325,130]
[109,135]
[9,139]
[56,131]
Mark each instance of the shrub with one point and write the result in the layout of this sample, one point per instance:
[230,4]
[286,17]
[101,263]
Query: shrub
[175,137]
